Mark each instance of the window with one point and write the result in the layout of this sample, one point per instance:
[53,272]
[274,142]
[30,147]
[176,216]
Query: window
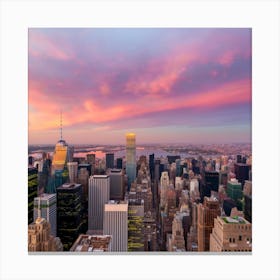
[230,240]
[240,238]
[233,240]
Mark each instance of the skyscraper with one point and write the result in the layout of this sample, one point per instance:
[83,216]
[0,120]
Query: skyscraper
[45,206]
[115,224]
[73,171]
[69,213]
[116,184]
[32,191]
[119,163]
[99,194]
[207,212]
[231,234]
[130,158]
[109,160]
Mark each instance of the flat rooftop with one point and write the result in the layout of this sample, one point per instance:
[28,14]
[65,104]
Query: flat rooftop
[92,243]
[234,220]
[116,205]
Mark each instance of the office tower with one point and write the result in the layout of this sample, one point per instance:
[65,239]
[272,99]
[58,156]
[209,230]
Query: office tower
[83,176]
[32,191]
[44,175]
[176,241]
[231,234]
[241,171]
[91,161]
[207,212]
[130,158]
[172,158]
[69,213]
[116,224]
[247,192]
[234,191]
[61,156]
[45,207]
[30,160]
[152,165]
[212,180]
[228,205]
[73,171]
[164,184]
[85,165]
[99,194]
[92,243]
[135,225]
[119,163]
[116,184]
[40,238]
[109,160]
[239,158]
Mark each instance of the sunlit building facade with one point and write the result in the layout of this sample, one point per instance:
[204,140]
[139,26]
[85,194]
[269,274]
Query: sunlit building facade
[130,158]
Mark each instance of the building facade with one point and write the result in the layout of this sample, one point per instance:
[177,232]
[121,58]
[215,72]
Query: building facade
[45,207]
[207,212]
[69,213]
[99,194]
[116,224]
[130,158]
[231,234]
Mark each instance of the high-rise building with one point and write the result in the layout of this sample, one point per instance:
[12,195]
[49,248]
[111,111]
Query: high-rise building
[119,163]
[45,207]
[109,160]
[116,184]
[152,165]
[85,165]
[207,212]
[116,224]
[32,191]
[69,213]
[61,156]
[99,194]
[135,225]
[231,234]
[247,192]
[73,171]
[241,171]
[234,191]
[212,180]
[91,161]
[130,158]
[40,238]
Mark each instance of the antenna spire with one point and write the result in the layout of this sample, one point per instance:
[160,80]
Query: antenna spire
[60,125]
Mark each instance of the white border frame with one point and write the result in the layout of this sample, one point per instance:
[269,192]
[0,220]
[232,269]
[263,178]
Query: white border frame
[17,16]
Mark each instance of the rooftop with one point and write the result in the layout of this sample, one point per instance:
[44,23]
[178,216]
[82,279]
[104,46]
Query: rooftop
[115,205]
[92,243]
[234,220]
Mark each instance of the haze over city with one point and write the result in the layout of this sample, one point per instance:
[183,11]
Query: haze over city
[166,85]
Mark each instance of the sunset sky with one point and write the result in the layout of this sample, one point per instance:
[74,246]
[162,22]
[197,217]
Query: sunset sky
[163,84]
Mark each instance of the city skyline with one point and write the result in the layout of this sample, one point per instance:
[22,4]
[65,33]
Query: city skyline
[167,85]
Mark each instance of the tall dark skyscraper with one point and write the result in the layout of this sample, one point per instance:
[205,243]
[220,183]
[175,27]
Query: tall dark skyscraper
[109,160]
[212,180]
[119,163]
[32,191]
[152,165]
[69,213]
[241,171]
